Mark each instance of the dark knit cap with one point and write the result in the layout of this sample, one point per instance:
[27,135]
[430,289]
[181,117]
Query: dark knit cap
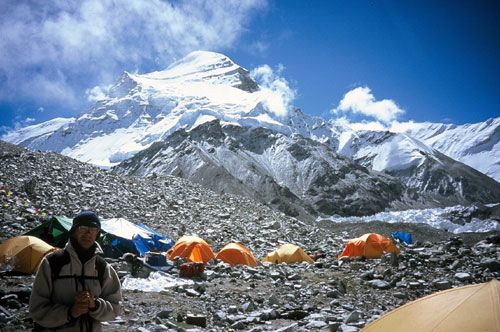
[86,218]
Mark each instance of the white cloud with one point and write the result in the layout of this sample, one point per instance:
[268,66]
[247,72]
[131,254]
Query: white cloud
[23,123]
[361,101]
[97,93]
[363,125]
[401,127]
[55,50]
[276,89]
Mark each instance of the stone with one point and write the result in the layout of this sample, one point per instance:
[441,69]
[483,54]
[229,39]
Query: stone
[380,284]
[238,325]
[368,275]
[491,264]
[164,314]
[347,328]
[462,276]
[247,306]
[442,284]
[316,324]
[192,292]
[353,317]
[333,293]
[198,320]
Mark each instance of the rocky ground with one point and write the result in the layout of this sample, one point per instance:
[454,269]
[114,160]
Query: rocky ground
[328,295]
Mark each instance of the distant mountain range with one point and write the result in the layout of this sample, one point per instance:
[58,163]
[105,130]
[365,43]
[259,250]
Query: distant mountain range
[205,119]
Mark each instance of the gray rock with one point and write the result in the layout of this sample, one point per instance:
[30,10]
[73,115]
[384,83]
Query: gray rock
[462,276]
[198,320]
[380,284]
[442,284]
[316,324]
[353,317]
[164,314]
[347,328]
[491,264]
[247,307]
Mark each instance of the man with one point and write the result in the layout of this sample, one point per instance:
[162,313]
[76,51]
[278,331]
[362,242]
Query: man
[74,289]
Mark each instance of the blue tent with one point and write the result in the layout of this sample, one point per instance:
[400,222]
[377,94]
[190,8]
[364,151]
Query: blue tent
[120,236]
[403,237]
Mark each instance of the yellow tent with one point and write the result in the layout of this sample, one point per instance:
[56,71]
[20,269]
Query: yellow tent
[236,253]
[193,248]
[288,253]
[24,253]
[370,245]
[470,308]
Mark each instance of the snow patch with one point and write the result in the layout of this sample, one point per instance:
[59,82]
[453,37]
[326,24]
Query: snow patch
[156,282]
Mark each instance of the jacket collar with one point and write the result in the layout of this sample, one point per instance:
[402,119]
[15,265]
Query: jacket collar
[69,247]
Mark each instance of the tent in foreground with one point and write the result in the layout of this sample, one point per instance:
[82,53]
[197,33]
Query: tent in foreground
[468,308]
[288,253]
[193,248]
[370,245]
[24,253]
[236,253]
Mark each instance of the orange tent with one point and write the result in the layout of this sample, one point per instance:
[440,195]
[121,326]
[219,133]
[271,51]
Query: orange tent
[193,248]
[236,253]
[370,245]
[24,253]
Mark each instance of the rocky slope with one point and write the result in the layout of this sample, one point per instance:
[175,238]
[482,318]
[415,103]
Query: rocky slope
[327,295]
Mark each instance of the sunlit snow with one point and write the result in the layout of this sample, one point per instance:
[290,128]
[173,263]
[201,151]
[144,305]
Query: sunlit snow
[156,282]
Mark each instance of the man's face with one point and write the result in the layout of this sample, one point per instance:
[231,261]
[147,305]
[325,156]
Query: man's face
[86,236]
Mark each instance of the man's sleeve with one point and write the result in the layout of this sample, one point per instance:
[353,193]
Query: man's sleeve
[41,309]
[109,301]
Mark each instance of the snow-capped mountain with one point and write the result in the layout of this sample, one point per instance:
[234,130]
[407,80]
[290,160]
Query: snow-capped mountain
[420,167]
[297,175]
[141,109]
[476,145]
[164,122]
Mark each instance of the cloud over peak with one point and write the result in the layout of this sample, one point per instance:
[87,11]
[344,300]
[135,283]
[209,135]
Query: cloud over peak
[276,89]
[361,101]
[55,50]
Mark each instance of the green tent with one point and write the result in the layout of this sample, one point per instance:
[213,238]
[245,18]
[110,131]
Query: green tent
[54,230]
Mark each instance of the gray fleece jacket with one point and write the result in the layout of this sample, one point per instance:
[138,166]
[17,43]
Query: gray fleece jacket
[50,301]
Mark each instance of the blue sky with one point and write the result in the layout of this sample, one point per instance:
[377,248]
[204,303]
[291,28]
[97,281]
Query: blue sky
[367,61]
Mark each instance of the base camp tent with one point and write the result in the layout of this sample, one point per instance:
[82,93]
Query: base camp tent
[469,308]
[24,253]
[193,248]
[288,253]
[54,230]
[236,253]
[404,237]
[118,236]
[370,245]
